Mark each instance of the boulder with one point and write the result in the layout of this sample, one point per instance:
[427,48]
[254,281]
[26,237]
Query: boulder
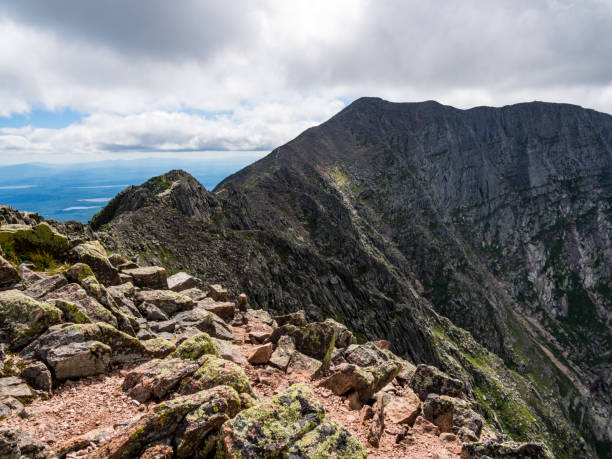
[169,423]
[168,301]
[301,364]
[37,375]
[281,356]
[328,439]
[28,275]
[183,281]
[260,316]
[22,318]
[163,326]
[157,379]
[15,444]
[87,306]
[93,254]
[260,354]
[205,321]
[9,276]
[195,347]
[316,340]
[297,319]
[365,381]
[217,372]
[152,312]
[124,348]
[242,302]
[428,379]
[12,386]
[9,405]
[505,450]
[452,414]
[217,293]
[78,271]
[272,426]
[44,286]
[117,259]
[259,337]
[439,411]
[159,347]
[77,360]
[149,277]
[229,351]
[72,312]
[402,410]
[225,309]
[160,451]
[367,355]
[344,337]
[195,294]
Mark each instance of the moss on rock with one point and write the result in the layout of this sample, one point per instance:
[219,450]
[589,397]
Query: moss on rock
[195,347]
[328,439]
[215,372]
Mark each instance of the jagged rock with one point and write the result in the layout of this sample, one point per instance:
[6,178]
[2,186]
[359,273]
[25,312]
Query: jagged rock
[217,293]
[195,294]
[506,450]
[344,337]
[168,301]
[303,365]
[402,410]
[47,284]
[163,326]
[149,277]
[37,375]
[195,347]
[272,426]
[204,321]
[229,351]
[328,439]
[160,346]
[439,411]
[169,421]
[15,444]
[226,310]
[259,337]
[117,259]
[9,276]
[28,275]
[126,266]
[377,426]
[93,254]
[316,339]
[145,334]
[157,379]
[12,386]
[77,360]
[367,355]
[260,354]
[297,319]
[9,405]
[78,271]
[365,381]
[215,372]
[152,312]
[122,290]
[427,379]
[87,306]
[124,278]
[22,318]
[124,348]
[25,239]
[183,281]
[260,316]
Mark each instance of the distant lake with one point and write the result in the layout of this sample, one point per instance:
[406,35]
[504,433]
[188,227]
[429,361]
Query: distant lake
[78,191]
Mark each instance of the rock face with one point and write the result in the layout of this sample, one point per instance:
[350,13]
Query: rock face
[499,217]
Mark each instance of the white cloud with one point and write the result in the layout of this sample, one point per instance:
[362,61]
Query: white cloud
[153,77]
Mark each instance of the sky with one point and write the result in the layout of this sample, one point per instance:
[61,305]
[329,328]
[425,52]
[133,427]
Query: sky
[84,81]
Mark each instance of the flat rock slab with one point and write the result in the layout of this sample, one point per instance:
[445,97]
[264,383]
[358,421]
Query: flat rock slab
[15,387]
[183,281]
[149,276]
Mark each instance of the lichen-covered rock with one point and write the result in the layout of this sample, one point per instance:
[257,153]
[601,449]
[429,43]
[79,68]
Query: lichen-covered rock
[302,365]
[117,259]
[328,439]
[428,379]
[213,372]
[365,381]
[77,360]
[15,444]
[168,422]
[72,312]
[297,319]
[124,348]
[157,379]
[229,351]
[9,276]
[402,410]
[159,347]
[217,293]
[93,254]
[37,375]
[87,306]
[316,340]
[23,319]
[183,281]
[344,337]
[78,271]
[195,347]
[150,277]
[168,301]
[505,450]
[367,355]
[266,429]
[44,286]
[224,309]
[203,320]
[25,240]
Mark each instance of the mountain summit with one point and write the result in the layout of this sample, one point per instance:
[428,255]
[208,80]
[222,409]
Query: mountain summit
[413,222]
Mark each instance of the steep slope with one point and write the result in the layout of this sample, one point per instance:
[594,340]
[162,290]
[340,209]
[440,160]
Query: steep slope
[499,217]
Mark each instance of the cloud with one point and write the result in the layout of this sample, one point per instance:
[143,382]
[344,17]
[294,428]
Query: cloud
[189,75]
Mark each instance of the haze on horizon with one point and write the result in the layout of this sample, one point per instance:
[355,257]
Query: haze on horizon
[85,81]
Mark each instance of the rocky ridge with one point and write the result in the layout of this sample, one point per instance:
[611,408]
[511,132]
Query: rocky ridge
[103,357]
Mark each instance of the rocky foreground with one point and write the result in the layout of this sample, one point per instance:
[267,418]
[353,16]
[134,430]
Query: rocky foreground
[105,358]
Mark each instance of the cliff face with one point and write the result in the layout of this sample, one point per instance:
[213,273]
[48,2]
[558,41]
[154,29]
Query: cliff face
[498,219]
